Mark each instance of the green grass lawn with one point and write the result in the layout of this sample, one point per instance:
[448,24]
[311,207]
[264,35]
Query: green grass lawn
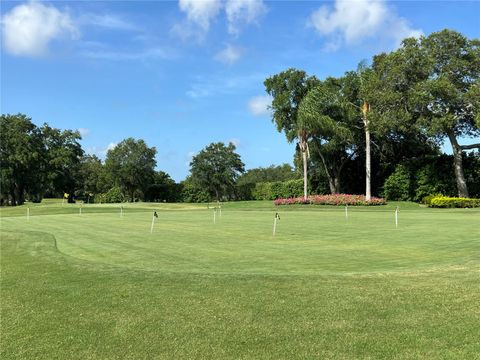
[101,286]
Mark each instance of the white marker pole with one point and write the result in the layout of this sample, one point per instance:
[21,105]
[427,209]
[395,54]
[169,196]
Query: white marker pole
[121,211]
[153,222]
[346,212]
[396,217]
[28,213]
[214,216]
[274,225]
[80,210]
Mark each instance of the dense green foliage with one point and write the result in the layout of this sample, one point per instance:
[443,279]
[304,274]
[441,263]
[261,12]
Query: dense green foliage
[269,174]
[36,161]
[397,186]
[216,169]
[131,166]
[98,286]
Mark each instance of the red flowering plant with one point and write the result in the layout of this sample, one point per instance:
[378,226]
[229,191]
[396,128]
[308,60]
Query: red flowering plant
[335,199]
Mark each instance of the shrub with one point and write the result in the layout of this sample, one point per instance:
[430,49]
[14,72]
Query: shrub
[397,185]
[194,194]
[262,191]
[336,199]
[454,202]
[114,195]
[433,179]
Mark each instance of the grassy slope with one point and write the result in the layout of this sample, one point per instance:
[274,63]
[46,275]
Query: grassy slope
[322,288]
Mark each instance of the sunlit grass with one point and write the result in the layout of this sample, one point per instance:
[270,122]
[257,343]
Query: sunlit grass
[99,285]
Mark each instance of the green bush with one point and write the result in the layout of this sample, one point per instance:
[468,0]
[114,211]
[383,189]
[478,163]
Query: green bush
[428,199]
[433,179]
[194,194]
[397,185]
[262,191]
[293,188]
[454,202]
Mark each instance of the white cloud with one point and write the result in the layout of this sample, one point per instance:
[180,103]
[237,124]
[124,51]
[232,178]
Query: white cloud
[259,105]
[243,12]
[351,22]
[200,12]
[29,28]
[229,55]
[83,131]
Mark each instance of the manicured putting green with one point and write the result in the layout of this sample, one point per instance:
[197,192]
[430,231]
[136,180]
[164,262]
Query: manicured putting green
[306,242]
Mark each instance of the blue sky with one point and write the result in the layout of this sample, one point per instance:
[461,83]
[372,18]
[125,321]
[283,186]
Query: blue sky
[183,74]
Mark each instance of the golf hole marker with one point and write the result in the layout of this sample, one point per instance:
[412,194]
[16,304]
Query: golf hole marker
[346,212]
[28,213]
[121,211]
[155,215]
[214,216]
[396,217]
[277,217]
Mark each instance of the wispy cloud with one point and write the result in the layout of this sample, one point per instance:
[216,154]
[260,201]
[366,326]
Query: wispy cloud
[83,131]
[101,151]
[199,16]
[108,21]
[243,12]
[259,105]
[221,84]
[146,54]
[201,13]
[229,55]
[28,29]
[352,22]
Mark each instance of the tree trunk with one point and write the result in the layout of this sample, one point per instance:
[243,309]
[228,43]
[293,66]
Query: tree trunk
[304,155]
[368,163]
[458,165]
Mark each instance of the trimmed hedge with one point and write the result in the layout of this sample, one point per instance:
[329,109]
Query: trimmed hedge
[336,199]
[453,202]
[277,189]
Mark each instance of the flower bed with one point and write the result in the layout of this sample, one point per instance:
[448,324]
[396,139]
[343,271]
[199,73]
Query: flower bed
[337,199]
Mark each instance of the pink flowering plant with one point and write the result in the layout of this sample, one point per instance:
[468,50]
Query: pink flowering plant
[335,199]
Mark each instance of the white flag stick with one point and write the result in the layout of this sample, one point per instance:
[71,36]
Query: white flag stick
[121,211]
[153,222]
[214,216]
[274,225]
[80,210]
[346,212]
[28,213]
[396,217]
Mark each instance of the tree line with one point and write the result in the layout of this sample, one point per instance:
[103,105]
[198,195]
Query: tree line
[376,130]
